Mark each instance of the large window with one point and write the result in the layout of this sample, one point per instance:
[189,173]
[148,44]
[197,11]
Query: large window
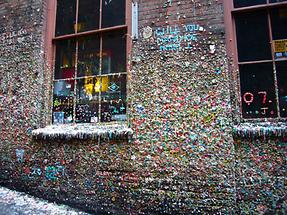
[260,28]
[90,61]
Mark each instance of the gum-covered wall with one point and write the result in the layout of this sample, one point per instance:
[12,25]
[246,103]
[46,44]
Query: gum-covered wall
[182,158]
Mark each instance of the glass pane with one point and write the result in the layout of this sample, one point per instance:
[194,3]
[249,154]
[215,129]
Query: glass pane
[257,90]
[279,31]
[63,98]
[114,53]
[245,3]
[113,105]
[88,56]
[113,13]
[66,17]
[87,106]
[89,15]
[252,36]
[65,59]
[279,23]
[281,69]
[275,1]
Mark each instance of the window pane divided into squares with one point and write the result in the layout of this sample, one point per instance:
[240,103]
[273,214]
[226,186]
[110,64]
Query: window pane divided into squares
[261,37]
[90,71]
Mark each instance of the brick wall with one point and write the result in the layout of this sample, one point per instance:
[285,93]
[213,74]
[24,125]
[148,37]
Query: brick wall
[22,77]
[179,96]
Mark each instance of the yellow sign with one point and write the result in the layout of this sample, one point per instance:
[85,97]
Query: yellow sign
[89,86]
[280,45]
[102,83]
[96,84]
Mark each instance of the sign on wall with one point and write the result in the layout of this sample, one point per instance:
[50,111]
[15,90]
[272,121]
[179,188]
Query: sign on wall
[280,48]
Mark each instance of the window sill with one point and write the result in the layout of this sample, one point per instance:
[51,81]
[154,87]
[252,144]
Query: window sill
[83,131]
[259,130]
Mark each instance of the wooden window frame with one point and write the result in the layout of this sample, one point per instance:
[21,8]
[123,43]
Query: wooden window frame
[231,48]
[50,40]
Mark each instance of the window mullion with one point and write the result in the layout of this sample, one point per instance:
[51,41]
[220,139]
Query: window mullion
[77,16]
[87,33]
[236,65]
[76,64]
[100,75]
[270,34]
[75,82]
[273,61]
[101,11]
[101,56]
[255,61]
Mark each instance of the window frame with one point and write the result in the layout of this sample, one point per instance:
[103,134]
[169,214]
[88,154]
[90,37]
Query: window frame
[232,54]
[50,40]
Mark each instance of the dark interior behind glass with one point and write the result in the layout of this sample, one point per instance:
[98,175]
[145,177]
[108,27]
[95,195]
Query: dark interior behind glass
[252,36]
[257,90]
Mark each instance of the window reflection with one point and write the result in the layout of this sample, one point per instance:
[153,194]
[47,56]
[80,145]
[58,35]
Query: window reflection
[279,23]
[89,13]
[257,90]
[113,99]
[252,36]
[113,13]
[89,76]
[114,53]
[63,102]
[276,1]
[65,59]
[113,105]
[281,69]
[88,56]
[245,3]
[87,100]
[66,17]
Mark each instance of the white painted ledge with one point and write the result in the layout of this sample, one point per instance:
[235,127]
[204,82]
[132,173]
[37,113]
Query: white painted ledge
[83,131]
[257,130]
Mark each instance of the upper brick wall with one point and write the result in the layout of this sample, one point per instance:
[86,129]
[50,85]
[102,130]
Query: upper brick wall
[203,12]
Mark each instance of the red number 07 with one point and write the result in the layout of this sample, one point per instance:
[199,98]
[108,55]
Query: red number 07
[249,97]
